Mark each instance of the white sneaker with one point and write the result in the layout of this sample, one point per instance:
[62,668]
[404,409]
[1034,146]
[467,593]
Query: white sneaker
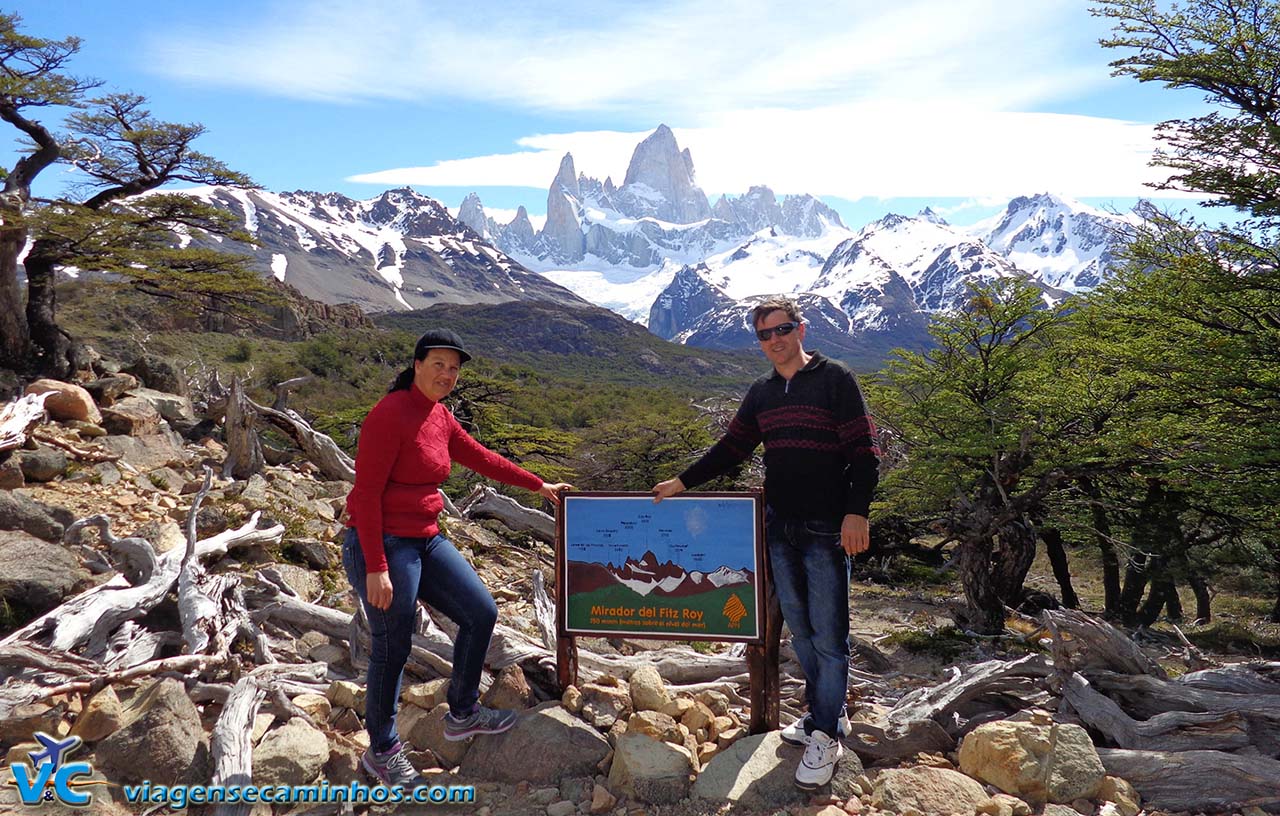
[794,734]
[821,756]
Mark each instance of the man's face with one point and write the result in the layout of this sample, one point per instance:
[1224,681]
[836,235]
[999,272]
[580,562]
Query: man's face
[781,349]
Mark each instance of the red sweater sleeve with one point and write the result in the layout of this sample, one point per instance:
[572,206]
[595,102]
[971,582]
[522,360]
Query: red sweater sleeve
[467,452]
[378,447]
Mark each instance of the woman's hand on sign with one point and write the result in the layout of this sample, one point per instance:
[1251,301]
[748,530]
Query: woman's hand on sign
[551,492]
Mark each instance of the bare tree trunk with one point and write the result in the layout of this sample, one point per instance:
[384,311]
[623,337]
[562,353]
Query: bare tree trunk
[50,345]
[1135,584]
[1012,559]
[985,613]
[14,336]
[1204,601]
[1052,538]
[1102,533]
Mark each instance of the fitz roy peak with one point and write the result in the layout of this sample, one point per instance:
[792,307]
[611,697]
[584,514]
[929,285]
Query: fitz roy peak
[659,214]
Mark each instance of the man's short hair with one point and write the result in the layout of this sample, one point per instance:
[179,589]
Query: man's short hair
[774,304]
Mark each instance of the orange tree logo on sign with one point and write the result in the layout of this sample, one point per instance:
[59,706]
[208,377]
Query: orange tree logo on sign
[734,610]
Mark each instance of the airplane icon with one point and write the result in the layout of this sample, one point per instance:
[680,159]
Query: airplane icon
[54,750]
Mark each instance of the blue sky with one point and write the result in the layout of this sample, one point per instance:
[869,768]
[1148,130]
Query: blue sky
[960,104]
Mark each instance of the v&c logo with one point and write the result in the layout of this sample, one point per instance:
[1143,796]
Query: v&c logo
[50,776]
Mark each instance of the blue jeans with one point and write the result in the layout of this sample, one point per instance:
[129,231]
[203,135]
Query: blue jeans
[431,570]
[811,576]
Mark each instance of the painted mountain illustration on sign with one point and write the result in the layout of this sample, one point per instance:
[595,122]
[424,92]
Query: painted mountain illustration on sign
[649,577]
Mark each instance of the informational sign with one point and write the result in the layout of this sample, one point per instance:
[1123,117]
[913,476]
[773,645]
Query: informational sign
[687,567]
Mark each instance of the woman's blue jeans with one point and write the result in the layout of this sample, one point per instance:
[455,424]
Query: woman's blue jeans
[811,576]
[431,570]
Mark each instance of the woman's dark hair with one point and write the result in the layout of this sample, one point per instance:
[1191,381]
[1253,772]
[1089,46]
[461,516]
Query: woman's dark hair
[402,381]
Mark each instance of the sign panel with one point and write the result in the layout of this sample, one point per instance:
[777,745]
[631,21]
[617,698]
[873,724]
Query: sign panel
[687,567]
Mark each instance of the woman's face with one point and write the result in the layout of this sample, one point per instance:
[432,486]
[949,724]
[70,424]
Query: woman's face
[436,374]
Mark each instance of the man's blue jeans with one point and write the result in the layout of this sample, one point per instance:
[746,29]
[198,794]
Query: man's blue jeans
[811,576]
[433,570]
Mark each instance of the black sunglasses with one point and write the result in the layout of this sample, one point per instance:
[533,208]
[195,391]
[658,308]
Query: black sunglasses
[783,329]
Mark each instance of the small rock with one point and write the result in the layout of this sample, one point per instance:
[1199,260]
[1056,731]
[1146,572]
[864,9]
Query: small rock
[317,706]
[347,694]
[572,700]
[545,796]
[427,695]
[102,716]
[562,809]
[648,693]
[602,799]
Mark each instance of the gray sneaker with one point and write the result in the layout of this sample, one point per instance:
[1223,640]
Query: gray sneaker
[481,720]
[392,768]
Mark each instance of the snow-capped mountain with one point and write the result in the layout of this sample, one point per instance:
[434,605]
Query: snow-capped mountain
[654,252]
[1066,244]
[400,250]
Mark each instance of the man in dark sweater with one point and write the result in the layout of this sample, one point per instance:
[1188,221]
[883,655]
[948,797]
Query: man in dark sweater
[821,463]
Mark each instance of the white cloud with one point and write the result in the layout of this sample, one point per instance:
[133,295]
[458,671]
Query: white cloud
[665,59]
[884,150]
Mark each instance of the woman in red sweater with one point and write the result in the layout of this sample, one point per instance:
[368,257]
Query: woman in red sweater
[394,554]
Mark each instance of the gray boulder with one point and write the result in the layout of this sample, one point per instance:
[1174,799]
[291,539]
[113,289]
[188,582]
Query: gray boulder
[159,740]
[42,464]
[293,754]
[173,407]
[649,770]
[546,744]
[19,512]
[35,574]
[158,373]
[759,772]
[131,416]
[161,449]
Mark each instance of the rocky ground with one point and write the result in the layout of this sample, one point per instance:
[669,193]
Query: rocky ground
[130,446]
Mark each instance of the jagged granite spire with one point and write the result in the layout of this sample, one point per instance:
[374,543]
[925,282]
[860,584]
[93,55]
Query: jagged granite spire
[659,182]
[471,213]
[562,234]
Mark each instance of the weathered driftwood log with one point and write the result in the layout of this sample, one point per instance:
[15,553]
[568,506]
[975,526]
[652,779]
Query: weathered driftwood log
[199,594]
[15,656]
[182,664]
[1237,679]
[94,614]
[80,454]
[1147,696]
[317,447]
[232,740]
[485,502]
[1013,678]
[544,611]
[921,736]
[18,417]
[283,389]
[1094,643]
[270,603]
[1172,731]
[244,448]
[131,645]
[1197,781]
[139,556]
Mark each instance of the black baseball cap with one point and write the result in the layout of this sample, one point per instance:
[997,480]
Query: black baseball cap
[440,338]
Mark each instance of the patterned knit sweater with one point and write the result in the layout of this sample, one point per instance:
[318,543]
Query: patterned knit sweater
[821,458]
